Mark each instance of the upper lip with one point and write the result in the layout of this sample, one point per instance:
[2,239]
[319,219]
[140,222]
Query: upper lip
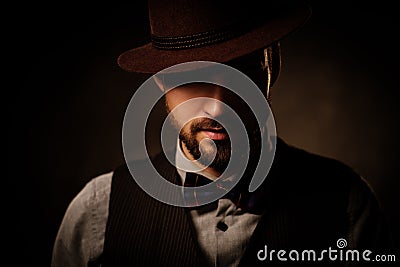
[213,129]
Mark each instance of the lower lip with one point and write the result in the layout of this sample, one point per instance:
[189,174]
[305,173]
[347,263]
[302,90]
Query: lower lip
[216,135]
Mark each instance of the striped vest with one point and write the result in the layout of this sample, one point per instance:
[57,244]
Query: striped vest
[306,204]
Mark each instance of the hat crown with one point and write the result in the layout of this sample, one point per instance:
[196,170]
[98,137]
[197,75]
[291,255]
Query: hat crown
[177,18]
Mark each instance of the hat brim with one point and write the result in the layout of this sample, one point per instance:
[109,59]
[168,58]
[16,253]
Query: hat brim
[148,59]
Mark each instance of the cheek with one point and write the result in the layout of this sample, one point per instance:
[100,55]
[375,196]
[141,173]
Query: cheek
[179,95]
[182,110]
[171,101]
[182,122]
[178,115]
[186,128]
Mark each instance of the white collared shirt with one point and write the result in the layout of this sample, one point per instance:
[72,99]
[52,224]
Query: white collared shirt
[223,230]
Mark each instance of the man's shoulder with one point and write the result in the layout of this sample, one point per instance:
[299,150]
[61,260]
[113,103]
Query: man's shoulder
[313,170]
[158,158]
[102,182]
[95,191]
[160,163]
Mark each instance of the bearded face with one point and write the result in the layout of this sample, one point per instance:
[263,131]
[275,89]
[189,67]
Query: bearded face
[191,136]
[200,123]
[206,139]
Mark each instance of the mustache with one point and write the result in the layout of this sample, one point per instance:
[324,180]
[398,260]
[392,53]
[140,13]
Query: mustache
[205,123]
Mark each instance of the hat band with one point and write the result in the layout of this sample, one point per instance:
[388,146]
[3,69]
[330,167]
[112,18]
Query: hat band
[198,39]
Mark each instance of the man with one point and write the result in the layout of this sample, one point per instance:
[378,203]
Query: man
[306,201]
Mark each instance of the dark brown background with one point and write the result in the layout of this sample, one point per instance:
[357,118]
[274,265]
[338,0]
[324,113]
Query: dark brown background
[337,96]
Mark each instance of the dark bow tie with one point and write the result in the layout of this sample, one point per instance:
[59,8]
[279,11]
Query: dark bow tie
[239,194]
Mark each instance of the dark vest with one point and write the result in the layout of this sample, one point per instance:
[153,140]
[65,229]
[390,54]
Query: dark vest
[305,202]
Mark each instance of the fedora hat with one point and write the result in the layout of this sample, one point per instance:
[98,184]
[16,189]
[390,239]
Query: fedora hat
[212,30]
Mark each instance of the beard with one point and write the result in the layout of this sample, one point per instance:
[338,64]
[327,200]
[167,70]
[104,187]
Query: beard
[206,155]
[187,135]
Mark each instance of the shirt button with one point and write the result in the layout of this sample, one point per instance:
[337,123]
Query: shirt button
[222,226]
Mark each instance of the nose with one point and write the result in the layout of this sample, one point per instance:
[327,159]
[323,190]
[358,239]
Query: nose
[213,105]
